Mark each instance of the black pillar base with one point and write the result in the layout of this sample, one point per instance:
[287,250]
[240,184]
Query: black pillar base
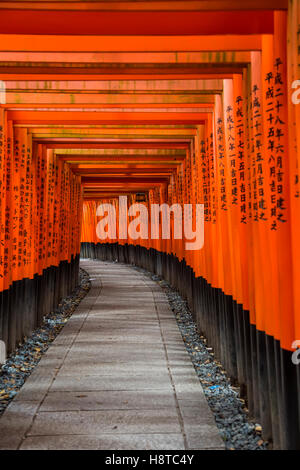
[24,305]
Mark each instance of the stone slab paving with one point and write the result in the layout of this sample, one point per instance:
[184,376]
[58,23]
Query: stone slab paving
[117,377]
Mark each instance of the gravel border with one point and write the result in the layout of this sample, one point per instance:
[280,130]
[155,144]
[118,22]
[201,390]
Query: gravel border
[237,429]
[20,364]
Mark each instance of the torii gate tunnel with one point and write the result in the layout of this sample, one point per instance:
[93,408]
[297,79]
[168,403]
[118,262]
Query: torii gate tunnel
[160,102]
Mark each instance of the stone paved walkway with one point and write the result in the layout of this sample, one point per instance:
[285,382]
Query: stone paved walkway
[116,377]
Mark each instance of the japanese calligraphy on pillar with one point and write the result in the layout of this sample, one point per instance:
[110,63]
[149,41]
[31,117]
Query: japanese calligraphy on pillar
[221,164]
[2,196]
[213,195]
[205,178]
[269,98]
[232,155]
[279,135]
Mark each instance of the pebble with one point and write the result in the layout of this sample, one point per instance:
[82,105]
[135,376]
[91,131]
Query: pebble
[20,364]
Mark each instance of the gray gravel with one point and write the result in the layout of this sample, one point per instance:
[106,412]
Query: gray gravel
[21,363]
[237,429]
